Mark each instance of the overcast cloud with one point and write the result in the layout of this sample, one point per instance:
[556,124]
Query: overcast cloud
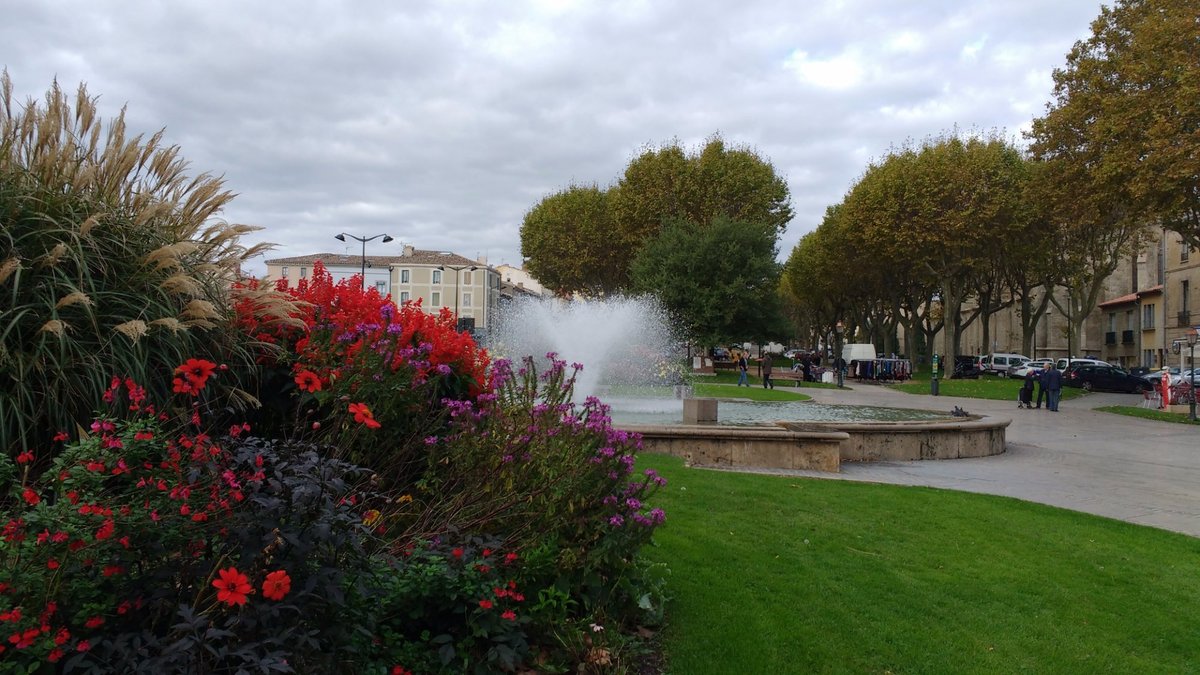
[442,123]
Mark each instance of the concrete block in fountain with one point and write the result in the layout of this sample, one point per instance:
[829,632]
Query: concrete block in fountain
[699,411]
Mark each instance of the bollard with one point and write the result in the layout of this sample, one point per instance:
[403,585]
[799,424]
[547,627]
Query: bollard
[933,387]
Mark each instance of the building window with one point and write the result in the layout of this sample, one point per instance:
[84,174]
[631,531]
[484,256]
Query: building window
[404,279]
[1112,322]
[437,278]
[1185,251]
[283,273]
[404,296]
[303,272]
[1129,320]
[467,277]
[381,286]
[435,298]
[466,300]
[1147,316]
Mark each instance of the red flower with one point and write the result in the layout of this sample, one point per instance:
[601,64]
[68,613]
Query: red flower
[54,655]
[458,553]
[509,614]
[30,497]
[197,371]
[362,415]
[485,604]
[232,586]
[25,457]
[308,381]
[401,670]
[94,622]
[276,585]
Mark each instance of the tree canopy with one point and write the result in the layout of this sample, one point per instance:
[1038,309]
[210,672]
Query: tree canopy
[720,281]
[584,239]
[1125,117]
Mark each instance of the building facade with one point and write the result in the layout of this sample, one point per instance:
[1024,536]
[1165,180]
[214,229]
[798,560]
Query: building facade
[468,288]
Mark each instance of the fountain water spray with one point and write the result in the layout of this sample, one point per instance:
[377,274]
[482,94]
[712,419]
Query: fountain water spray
[621,341]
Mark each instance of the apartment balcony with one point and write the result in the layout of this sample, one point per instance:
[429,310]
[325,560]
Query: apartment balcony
[1126,337]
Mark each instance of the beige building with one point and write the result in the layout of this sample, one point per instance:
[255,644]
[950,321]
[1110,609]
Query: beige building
[468,288]
[1181,308]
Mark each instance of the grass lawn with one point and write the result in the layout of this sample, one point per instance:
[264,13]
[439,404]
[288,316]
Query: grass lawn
[754,393]
[729,377]
[788,575]
[997,388]
[1147,413]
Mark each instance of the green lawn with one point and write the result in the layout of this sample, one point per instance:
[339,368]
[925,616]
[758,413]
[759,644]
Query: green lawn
[730,377]
[1147,413]
[997,388]
[788,575]
[754,392]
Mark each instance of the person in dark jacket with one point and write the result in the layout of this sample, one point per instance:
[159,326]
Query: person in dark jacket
[742,366]
[1025,398]
[1052,383]
[766,371]
[1040,379]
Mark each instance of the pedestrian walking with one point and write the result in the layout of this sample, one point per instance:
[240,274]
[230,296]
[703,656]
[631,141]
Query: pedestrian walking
[1052,381]
[766,371]
[742,366]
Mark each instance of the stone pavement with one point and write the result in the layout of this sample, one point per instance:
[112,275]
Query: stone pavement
[1121,467]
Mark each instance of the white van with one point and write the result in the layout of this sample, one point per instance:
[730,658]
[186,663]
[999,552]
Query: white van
[858,352]
[998,364]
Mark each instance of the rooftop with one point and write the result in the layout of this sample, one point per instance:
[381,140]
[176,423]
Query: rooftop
[416,257]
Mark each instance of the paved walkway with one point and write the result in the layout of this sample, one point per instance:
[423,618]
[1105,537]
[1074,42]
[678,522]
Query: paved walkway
[1111,465]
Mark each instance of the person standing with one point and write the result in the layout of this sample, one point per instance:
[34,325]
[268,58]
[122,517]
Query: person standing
[766,371]
[742,366]
[1025,398]
[1040,380]
[1052,382]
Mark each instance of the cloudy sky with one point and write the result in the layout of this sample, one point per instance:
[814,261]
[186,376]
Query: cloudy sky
[442,122]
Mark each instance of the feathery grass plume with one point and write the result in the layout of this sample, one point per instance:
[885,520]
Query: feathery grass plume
[170,256]
[51,259]
[109,215]
[170,323]
[76,297]
[181,284]
[87,225]
[134,330]
[8,268]
[56,326]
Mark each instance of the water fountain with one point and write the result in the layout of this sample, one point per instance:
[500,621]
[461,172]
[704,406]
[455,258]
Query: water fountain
[631,356]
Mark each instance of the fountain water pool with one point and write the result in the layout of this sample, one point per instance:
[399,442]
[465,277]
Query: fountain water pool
[628,343]
[742,412]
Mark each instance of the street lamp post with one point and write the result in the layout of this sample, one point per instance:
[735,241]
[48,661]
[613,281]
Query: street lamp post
[1191,341]
[362,279]
[457,270]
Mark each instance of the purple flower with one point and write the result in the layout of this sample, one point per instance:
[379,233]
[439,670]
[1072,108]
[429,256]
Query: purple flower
[616,521]
[431,440]
[443,369]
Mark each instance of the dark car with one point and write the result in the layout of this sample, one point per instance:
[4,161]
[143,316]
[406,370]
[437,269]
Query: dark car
[966,367]
[1103,378]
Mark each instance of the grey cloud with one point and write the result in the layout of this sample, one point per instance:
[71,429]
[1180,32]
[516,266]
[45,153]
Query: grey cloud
[442,123]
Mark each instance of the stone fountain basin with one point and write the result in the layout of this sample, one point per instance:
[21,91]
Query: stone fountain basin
[823,446]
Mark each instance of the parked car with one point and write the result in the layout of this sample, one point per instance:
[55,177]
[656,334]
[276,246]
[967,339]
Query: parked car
[998,364]
[1023,369]
[966,367]
[1104,377]
[1140,371]
[1154,377]
[1062,364]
